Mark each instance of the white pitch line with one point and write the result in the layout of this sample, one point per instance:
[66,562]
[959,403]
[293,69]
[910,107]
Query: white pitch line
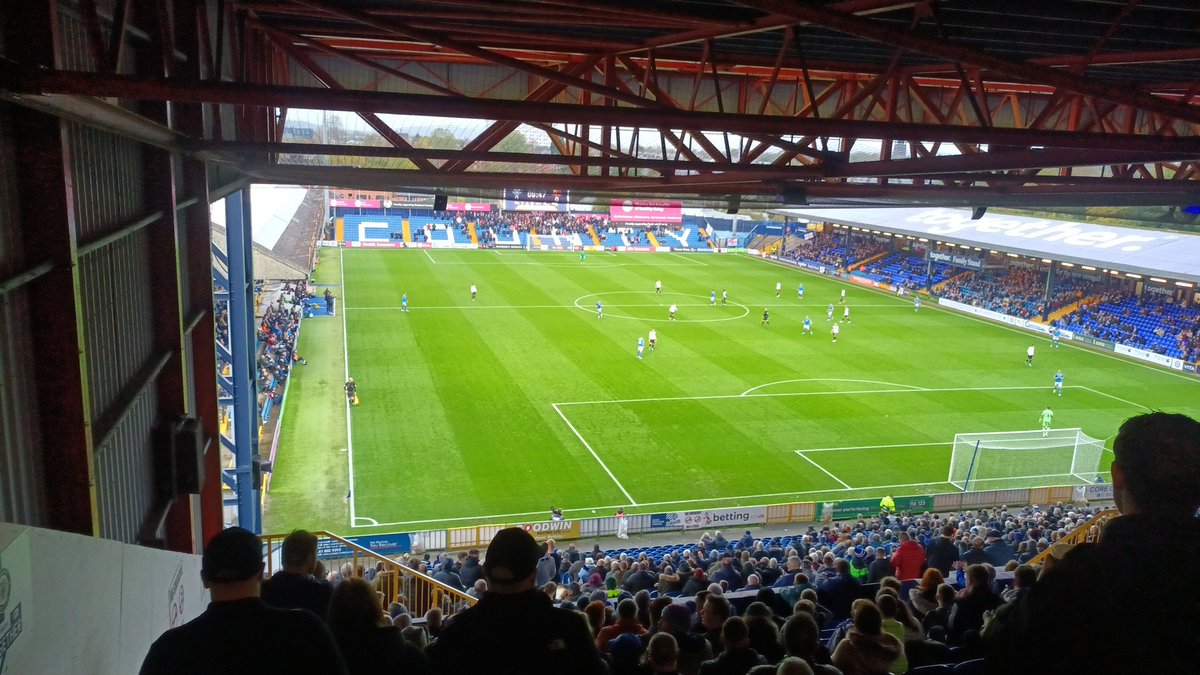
[346,363]
[1013,329]
[876,447]
[695,262]
[1068,343]
[594,455]
[1115,398]
[832,379]
[709,500]
[823,470]
[588,309]
[426,252]
[790,394]
[661,305]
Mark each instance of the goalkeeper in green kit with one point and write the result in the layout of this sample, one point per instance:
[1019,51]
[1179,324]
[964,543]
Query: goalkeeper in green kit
[1047,418]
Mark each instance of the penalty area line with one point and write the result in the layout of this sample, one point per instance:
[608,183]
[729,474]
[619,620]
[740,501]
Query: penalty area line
[823,470]
[1115,398]
[604,466]
[875,447]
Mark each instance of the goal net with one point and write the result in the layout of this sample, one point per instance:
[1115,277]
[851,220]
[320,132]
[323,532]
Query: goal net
[1011,459]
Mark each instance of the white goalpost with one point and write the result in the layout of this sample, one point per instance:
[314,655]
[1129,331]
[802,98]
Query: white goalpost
[1002,459]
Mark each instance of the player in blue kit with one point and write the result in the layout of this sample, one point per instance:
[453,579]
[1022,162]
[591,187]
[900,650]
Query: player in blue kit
[807,326]
[712,297]
[1054,333]
[829,312]
[800,292]
[599,310]
[641,346]
[404,302]
[916,303]
[1058,381]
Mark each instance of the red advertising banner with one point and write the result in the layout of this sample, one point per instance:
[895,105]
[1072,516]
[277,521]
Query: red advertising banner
[356,203]
[468,206]
[637,211]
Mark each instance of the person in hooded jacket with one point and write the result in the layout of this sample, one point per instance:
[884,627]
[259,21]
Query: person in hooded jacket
[867,649]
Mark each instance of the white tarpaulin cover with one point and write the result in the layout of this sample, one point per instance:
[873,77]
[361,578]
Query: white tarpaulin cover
[1150,252]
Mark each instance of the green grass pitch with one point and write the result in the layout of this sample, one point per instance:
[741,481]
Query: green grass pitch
[497,409]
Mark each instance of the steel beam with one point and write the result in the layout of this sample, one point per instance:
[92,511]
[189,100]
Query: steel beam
[229,150]
[958,54]
[1102,192]
[432,37]
[497,132]
[45,229]
[90,84]
[324,77]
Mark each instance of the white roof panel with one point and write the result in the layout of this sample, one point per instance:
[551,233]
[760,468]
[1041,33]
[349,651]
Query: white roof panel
[1151,252]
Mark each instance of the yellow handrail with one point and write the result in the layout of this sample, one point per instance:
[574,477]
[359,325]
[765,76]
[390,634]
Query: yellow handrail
[1087,533]
[397,583]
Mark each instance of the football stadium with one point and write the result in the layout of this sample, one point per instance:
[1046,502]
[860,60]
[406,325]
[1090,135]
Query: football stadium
[537,337]
[532,385]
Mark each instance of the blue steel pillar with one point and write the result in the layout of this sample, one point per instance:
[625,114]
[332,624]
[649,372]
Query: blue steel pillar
[238,245]
[1049,291]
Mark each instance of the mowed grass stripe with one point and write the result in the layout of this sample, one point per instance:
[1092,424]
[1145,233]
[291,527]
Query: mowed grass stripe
[310,476]
[472,397]
[722,435]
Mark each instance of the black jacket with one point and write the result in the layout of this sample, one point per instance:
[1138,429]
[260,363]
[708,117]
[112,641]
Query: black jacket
[941,554]
[286,590]
[218,641]
[516,634]
[1129,604]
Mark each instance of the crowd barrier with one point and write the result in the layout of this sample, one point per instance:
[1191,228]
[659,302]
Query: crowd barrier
[478,536]
[1089,533]
[397,583]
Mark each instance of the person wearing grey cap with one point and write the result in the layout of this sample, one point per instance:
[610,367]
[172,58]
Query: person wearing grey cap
[238,630]
[514,628]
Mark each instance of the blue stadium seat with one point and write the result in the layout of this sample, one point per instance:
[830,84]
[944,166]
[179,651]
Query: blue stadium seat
[939,669]
[972,667]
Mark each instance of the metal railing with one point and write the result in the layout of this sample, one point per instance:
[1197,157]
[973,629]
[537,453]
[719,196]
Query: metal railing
[1087,533]
[395,582]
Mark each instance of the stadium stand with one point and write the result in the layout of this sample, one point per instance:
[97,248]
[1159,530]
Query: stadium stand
[1141,322]
[277,332]
[902,268]
[772,582]
[1017,291]
[824,249]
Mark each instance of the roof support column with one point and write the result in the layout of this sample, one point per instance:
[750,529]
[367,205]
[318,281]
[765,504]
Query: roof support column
[242,331]
[47,236]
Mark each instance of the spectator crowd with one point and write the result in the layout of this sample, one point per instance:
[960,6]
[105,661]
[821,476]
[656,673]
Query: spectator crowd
[881,594]
[276,337]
